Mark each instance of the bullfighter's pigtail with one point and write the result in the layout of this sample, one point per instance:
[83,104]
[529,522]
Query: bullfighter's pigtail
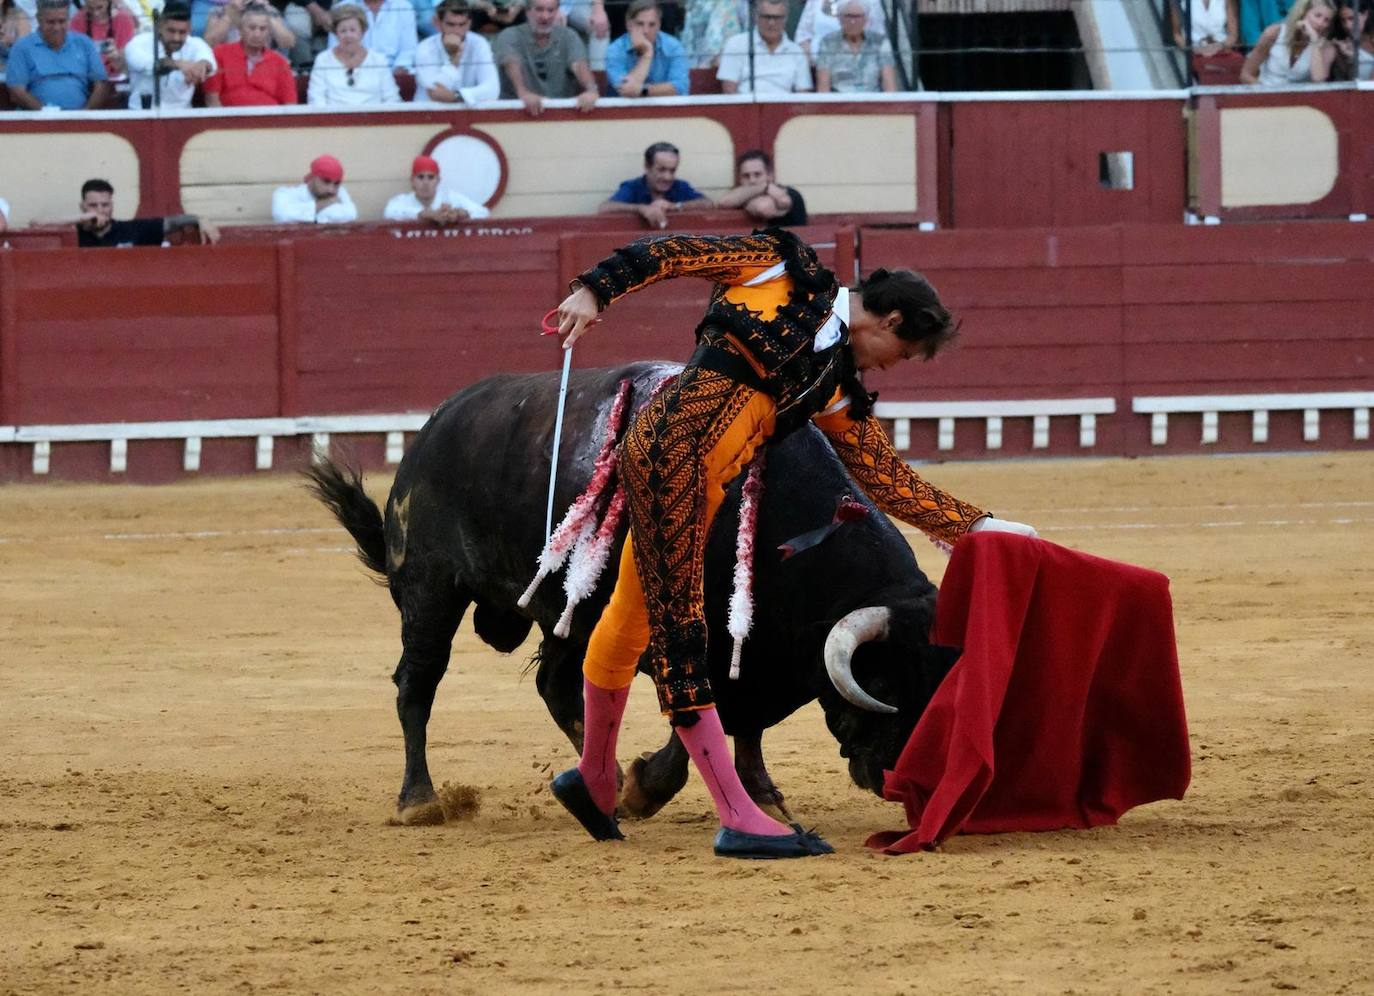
[742,599]
[581,516]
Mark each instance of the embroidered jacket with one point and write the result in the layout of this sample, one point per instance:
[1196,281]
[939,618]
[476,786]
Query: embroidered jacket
[777,356]
[774,354]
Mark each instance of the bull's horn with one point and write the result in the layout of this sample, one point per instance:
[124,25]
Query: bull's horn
[858,627]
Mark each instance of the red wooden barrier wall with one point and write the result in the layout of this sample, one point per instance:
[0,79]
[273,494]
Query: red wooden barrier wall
[380,324]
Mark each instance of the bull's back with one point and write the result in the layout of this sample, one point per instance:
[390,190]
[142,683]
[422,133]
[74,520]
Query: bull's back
[472,488]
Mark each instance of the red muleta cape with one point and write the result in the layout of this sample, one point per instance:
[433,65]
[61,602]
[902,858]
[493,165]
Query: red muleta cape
[1065,707]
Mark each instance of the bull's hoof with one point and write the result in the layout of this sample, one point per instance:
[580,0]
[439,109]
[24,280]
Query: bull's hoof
[421,814]
[773,805]
[637,802]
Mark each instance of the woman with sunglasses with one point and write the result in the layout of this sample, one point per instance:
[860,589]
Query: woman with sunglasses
[349,74]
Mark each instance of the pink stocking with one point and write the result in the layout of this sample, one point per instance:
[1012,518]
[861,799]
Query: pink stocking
[705,741]
[600,727]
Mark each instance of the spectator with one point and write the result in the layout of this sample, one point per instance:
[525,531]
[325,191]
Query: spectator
[4,214]
[391,32]
[542,58]
[778,64]
[855,59]
[1256,15]
[658,191]
[645,62]
[111,30]
[1214,35]
[348,74]
[250,74]
[706,28]
[223,24]
[184,61]
[455,65]
[97,229]
[310,23]
[588,18]
[1297,51]
[14,24]
[54,67]
[820,18]
[146,12]
[321,199]
[427,202]
[758,192]
[494,15]
[1355,43]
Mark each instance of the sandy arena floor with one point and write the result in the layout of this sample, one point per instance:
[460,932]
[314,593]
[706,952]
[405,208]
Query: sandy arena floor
[201,755]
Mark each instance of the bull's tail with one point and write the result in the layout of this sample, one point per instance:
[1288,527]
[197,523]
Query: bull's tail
[341,490]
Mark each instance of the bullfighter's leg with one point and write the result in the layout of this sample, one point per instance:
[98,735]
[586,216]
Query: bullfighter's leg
[655,777]
[682,450]
[430,613]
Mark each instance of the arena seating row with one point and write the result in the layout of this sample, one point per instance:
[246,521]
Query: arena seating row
[703,83]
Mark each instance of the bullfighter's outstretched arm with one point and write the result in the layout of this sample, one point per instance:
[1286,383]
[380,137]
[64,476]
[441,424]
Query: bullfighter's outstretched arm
[875,464]
[723,259]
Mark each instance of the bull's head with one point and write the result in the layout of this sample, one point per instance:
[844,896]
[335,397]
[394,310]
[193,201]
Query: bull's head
[883,672]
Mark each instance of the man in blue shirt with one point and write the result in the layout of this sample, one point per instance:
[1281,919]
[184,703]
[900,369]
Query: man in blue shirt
[643,62]
[52,67]
[658,191]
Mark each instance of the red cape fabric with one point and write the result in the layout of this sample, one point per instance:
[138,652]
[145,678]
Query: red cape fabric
[1064,709]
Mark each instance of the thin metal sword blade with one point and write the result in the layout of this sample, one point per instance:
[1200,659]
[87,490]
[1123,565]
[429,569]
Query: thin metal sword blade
[557,438]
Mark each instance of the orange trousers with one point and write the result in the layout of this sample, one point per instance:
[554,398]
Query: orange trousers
[623,632]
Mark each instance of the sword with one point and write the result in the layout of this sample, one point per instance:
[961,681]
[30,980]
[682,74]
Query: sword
[557,438]
[548,329]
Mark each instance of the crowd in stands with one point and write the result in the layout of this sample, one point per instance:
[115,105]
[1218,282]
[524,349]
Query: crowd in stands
[81,54]
[1276,42]
[71,54]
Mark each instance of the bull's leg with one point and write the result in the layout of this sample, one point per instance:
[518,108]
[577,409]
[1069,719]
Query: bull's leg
[430,613]
[559,680]
[653,779]
[754,775]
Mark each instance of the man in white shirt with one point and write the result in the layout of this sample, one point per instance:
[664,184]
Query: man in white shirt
[778,65]
[455,65]
[321,199]
[426,202]
[184,61]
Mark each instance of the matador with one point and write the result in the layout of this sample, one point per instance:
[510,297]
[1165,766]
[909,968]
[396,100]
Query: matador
[781,343]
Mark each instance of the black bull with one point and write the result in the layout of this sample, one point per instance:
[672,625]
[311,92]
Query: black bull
[465,523]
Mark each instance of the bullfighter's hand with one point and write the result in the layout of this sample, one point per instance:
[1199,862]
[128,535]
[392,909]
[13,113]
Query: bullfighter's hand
[576,314]
[988,524]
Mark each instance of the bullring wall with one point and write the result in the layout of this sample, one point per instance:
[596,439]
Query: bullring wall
[389,322]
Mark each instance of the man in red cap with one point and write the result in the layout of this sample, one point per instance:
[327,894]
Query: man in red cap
[321,199]
[427,202]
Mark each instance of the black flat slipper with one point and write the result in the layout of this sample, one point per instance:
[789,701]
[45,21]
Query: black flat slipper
[798,844]
[569,789]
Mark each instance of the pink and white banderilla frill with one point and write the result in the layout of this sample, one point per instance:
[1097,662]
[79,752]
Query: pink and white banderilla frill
[585,544]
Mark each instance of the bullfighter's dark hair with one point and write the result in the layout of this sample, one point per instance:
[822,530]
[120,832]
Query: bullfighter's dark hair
[924,319]
[656,148]
[98,186]
[758,154]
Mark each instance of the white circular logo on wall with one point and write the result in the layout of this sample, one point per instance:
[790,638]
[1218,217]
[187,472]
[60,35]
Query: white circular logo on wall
[469,165]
